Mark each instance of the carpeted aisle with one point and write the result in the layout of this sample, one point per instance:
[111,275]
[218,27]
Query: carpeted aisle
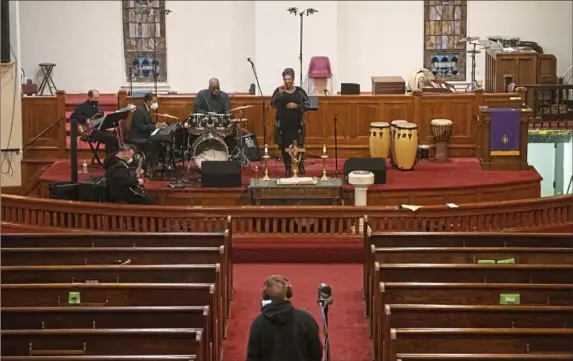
[348,329]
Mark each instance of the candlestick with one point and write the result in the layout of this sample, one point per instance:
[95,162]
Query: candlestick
[324,149]
[266,158]
[256,174]
[324,157]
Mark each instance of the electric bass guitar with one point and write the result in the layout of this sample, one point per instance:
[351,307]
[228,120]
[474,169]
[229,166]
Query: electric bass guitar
[139,190]
[91,124]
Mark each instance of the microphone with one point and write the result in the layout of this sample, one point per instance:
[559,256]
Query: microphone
[249,60]
[325,91]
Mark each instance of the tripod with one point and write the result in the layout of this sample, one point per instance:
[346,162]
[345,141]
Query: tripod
[238,153]
[473,85]
[306,12]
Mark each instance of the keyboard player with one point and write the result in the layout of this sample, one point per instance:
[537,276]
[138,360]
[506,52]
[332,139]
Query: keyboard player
[90,110]
[141,129]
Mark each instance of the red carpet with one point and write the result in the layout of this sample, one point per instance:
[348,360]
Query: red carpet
[348,329]
[458,173]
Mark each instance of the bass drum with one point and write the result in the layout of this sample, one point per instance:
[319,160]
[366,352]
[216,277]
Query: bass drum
[209,147]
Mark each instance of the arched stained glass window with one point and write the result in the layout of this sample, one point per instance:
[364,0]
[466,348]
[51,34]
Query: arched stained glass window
[144,40]
[445,24]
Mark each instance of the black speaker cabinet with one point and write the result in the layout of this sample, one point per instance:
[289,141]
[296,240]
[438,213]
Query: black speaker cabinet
[63,190]
[225,174]
[92,190]
[375,165]
[350,89]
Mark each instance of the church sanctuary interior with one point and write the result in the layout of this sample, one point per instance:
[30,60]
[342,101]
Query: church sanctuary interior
[407,166]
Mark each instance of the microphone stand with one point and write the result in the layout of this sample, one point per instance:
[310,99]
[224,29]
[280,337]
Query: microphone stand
[131,81]
[335,120]
[264,105]
[302,13]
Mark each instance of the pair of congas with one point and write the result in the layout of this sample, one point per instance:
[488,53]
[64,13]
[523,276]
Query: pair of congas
[397,140]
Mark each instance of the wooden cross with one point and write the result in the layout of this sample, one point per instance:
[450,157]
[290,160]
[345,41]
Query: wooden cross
[295,155]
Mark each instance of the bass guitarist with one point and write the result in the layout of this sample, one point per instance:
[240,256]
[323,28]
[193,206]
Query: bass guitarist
[124,182]
[85,113]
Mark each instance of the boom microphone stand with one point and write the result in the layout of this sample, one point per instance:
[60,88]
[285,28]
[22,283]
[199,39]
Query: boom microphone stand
[264,103]
[306,12]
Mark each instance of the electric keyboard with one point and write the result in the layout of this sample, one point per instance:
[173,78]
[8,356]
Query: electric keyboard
[164,135]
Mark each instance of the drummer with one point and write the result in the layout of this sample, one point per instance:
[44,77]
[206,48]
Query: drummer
[212,100]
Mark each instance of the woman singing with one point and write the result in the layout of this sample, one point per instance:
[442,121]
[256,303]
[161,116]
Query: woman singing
[290,102]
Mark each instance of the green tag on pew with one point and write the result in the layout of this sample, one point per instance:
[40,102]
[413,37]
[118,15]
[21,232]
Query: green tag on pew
[507,261]
[486,261]
[74,298]
[509,299]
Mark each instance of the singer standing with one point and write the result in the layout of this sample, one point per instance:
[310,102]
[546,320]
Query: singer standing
[291,102]
[212,100]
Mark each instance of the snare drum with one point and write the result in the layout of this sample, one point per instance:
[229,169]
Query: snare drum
[379,139]
[406,146]
[393,135]
[224,126]
[509,42]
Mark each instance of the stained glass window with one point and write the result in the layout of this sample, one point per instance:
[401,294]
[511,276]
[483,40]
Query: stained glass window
[144,40]
[445,24]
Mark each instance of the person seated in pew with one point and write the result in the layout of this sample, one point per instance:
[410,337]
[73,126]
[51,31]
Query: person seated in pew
[141,129]
[212,100]
[281,332]
[123,184]
[88,111]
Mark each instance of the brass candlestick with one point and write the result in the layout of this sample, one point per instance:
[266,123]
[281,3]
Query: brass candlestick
[324,158]
[266,158]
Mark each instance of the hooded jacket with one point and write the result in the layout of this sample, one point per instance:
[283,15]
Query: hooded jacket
[284,333]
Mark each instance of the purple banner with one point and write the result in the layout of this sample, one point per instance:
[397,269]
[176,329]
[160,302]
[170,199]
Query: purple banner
[505,131]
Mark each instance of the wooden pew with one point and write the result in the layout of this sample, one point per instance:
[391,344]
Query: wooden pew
[79,317]
[477,340]
[119,295]
[103,358]
[179,341]
[126,239]
[461,294]
[473,316]
[457,239]
[476,357]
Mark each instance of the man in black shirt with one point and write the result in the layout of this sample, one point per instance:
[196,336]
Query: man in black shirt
[123,184]
[141,129]
[90,110]
[282,332]
[212,100]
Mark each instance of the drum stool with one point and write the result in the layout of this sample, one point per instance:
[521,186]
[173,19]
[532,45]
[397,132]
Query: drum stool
[442,131]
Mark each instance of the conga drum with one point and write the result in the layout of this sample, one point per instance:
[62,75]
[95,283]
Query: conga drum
[406,146]
[442,131]
[379,139]
[392,136]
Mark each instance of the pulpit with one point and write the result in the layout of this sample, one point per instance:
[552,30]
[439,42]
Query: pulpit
[503,136]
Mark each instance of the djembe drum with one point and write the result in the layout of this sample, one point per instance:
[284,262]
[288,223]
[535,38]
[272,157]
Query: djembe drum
[442,131]
[406,146]
[392,137]
[379,140]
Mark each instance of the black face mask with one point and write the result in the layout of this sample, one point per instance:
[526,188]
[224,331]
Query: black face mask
[94,102]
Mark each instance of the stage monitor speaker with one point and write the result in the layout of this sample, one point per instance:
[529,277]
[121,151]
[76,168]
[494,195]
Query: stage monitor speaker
[375,165]
[221,174]
[349,89]
[92,190]
[63,190]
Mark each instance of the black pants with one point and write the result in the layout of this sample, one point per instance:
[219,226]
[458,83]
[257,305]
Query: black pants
[151,151]
[107,138]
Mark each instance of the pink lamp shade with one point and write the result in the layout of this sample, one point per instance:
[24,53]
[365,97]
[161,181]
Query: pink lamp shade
[319,67]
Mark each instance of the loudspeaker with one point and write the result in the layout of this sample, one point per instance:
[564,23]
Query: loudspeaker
[92,189]
[63,190]
[374,165]
[349,89]
[225,174]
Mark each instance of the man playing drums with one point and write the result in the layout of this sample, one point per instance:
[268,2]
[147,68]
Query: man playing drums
[212,100]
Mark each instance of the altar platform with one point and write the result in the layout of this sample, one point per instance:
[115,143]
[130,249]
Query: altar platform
[460,180]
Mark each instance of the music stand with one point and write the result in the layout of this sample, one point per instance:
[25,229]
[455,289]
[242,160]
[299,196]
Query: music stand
[110,121]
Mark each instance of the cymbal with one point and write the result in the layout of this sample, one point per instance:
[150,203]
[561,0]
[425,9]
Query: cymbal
[473,51]
[468,39]
[238,120]
[241,108]
[168,116]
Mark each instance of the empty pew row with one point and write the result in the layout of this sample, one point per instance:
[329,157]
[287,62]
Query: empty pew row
[107,298]
[482,357]
[102,358]
[452,261]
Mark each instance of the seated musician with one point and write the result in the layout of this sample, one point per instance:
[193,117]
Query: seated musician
[212,100]
[123,184]
[141,129]
[90,110]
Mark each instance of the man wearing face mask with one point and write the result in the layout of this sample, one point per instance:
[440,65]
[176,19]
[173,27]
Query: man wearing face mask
[88,111]
[141,129]
[123,184]
[212,100]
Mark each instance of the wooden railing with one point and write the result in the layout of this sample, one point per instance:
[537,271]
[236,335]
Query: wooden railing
[274,222]
[551,104]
